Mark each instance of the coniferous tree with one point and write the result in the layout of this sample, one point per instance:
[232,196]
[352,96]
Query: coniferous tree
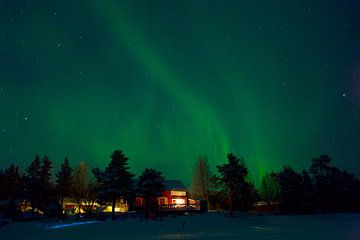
[33,184]
[308,201]
[201,178]
[38,183]
[320,165]
[248,196]
[11,182]
[232,177]
[116,181]
[324,178]
[294,197]
[2,186]
[46,186]
[63,183]
[12,187]
[150,186]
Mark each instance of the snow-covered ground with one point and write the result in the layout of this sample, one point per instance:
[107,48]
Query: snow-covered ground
[202,226]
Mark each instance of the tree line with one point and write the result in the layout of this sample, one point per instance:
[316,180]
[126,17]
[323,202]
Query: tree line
[47,197]
[322,188]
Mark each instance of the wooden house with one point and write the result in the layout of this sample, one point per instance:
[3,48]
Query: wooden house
[174,197]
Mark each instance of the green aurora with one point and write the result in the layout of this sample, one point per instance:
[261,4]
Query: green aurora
[275,82]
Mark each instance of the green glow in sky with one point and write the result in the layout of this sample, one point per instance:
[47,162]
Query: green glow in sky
[164,81]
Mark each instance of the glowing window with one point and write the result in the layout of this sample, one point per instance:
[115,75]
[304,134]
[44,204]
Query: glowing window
[178,201]
[178,193]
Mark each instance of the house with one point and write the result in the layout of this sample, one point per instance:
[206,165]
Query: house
[263,207]
[71,207]
[175,198]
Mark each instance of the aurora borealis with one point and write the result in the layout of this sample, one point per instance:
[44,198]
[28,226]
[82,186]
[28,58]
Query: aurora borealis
[275,82]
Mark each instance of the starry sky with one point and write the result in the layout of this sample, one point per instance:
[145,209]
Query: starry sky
[277,82]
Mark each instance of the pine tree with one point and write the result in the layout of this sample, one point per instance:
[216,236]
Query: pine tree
[309,202]
[63,183]
[116,181]
[33,184]
[232,177]
[150,186]
[3,193]
[12,182]
[294,197]
[12,187]
[38,183]
[324,185]
[320,165]
[46,186]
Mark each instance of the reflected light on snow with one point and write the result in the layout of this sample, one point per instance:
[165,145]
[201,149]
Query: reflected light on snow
[71,224]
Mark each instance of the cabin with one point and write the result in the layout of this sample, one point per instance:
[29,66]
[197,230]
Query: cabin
[263,207]
[175,199]
[71,207]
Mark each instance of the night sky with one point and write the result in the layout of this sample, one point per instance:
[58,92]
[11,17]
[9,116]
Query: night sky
[277,82]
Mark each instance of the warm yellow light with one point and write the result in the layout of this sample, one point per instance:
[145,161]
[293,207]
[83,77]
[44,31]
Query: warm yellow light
[117,209]
[178,201]
[178,193]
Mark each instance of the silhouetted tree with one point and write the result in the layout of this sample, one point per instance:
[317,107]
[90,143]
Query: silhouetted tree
[3,194]
[63,183]
[33,183]
[320,165]
[116,181]
[79,185]
[90,198]
[83,190]
[46,187]
[270,188]
[150,186]
[332,185]
[308,203]
[232,177]
[201,178]
[248,196]
[38,183]
[217,193]
[336,190]
[296,191]
[290,182]
[11,187]
[11,183]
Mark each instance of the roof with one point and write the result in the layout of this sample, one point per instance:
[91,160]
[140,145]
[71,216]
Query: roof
[169,185]
[174,185]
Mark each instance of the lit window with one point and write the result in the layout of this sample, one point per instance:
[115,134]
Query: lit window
[178,193]
[178,201]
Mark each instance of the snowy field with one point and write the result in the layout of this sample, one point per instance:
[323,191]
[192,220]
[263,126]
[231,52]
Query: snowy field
[204,226]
